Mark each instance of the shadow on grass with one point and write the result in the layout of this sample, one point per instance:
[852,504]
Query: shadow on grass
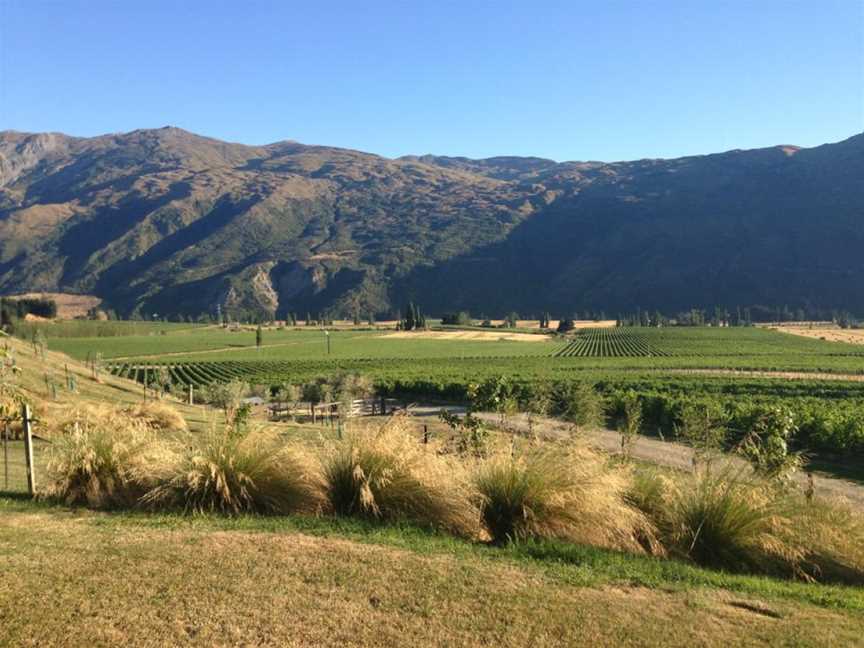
[17,496]
[834,466]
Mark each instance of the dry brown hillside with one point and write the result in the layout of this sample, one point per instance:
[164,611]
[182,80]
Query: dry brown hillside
[37,376]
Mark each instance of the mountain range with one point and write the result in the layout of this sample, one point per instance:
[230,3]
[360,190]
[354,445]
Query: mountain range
[166,221]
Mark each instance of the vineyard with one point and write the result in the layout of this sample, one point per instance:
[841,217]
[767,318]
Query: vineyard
[610,343]
[214,356]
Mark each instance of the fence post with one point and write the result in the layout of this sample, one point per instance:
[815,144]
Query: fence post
[6,454]
[28,448]
[191,398]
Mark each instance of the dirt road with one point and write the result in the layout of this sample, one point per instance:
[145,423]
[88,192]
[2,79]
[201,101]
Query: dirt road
[651,450]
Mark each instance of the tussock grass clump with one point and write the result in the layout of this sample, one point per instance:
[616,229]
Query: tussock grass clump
[733,519]
[832,534]
[386,474]
[158,416]
[233,471]
[94,459]
[567,492]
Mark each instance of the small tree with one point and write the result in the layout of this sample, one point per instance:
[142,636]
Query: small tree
[228,397]
[163,380]
[540,403]
[471,433]
[631,424]
[259,336]
[566,325]
[40,343]
[498,394]
[580,404]
[701,428]
[766,445]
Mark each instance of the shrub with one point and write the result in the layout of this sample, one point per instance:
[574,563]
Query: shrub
[568,493]
[232,471]
[158,416]
[94,458]
[386,474]
[226,396]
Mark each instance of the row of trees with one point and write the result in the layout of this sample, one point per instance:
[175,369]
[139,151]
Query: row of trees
[739,316]
[13,309]
[412,318]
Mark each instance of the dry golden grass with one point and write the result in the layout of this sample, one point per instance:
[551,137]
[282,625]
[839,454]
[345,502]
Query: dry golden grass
[107,389]
[96,458]
[230,471]
[157,415]
[822,331]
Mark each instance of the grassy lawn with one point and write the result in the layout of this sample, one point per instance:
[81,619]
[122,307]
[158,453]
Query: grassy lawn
[78,577]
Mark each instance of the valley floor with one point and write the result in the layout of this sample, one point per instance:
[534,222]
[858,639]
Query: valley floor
[84,578]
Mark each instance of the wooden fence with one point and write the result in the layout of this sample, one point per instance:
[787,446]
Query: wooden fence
[321,412]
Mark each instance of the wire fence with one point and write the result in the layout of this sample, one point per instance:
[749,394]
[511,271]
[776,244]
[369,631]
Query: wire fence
[22,454]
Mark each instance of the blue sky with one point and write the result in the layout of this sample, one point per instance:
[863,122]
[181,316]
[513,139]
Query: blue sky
[601,80]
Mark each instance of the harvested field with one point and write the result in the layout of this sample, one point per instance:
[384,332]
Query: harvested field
[829,333]
[553,324]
